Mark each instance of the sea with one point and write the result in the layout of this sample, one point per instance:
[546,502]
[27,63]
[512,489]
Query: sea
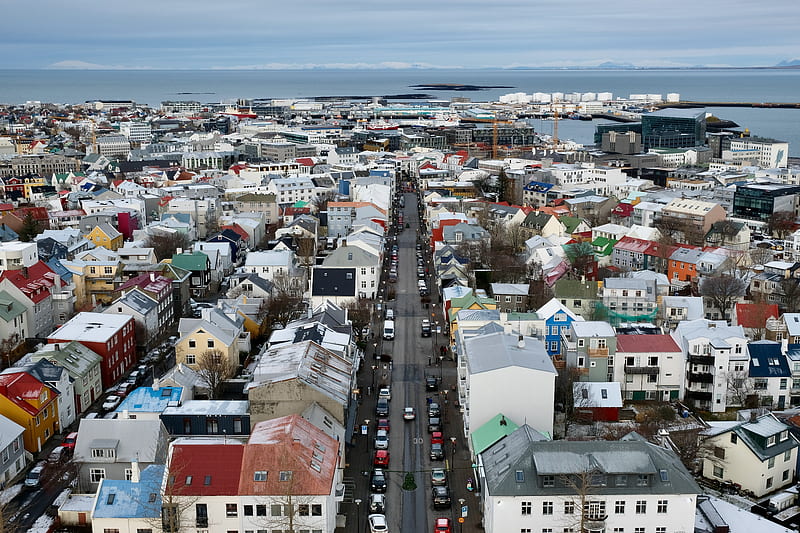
[214,86]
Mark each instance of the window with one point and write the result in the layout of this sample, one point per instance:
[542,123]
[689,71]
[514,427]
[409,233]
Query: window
[275,509]
[547,481]
[201,515]
[547,507]
[771,462]
[230,510]
[661,529]
[303,509]
[527,508]
[97,474]
[769,482]
[734,438]
[638,530]
[285,475]
[718,471]
[719,452]
[261,510]
[110,530]
[787,455]
[641,506]
[619,507]
[662,506]
[595,510]
[210,343]
[641,480]
[190,359]
[316,509]
[247,510]
[192,343]
[569,507]
[260,475]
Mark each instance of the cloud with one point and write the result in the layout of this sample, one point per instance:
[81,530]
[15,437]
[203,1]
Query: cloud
[384,65]
[75,64]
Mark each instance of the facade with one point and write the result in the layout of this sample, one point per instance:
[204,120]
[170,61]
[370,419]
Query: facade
[587,347]
[33,405]
[207,418]
[366,266]
[518,365]
[511,297]
[199,265]
[759,453]
[630,299]
[557,319]
[83,366]
[214,332]
[596,486]
[112,337]
[691,218]
[106,236]
[673,128]
[760,201]
[649,367]
[12,450]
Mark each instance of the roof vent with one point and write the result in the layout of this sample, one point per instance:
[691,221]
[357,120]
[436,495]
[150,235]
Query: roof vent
[521,342]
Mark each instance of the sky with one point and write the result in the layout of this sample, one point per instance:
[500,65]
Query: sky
[305,34]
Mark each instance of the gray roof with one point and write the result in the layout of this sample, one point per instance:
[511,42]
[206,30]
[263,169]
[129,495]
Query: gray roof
[593,328]
[631,456]
[520,289]
[209,407]
[9,430]
[350,256]
[502,350]
[137,438]
[137,301]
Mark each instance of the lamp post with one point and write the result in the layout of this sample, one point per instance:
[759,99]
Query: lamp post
[461,520]
[358,515]
[453,460]
[374,368]
[441,358]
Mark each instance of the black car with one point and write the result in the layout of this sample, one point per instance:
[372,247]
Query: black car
[377,482]
[434,424]
[437,452]
[441,497]
[382,407]
[431,383]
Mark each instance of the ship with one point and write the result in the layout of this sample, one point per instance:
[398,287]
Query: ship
[382,125]
[239,112]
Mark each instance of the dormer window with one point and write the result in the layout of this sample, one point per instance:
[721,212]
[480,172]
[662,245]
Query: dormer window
[771,440]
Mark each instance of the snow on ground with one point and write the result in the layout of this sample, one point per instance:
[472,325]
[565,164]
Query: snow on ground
[10,493]
[42,524]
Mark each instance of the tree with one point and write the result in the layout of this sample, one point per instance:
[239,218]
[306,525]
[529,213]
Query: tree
[580,256]
[176,507]
[760,255]
[306,252]
[281,307]
[740,387]
[359,312]
[320,202]
[781,224]
[30,228]
[164,245]
[790,291]
[723,291]
[214,368]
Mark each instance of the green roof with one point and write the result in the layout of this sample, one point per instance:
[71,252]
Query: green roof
[469,299]
[604,244]
[570,223]
[10,308]
[299,204]
[491,432]
[193,261]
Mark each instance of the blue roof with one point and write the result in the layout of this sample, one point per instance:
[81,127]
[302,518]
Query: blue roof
[150,400]
[767,360]
[61,270]
[538,186]
[186,218]
[118,498]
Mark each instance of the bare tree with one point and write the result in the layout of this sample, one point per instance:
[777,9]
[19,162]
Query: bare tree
[723,291]
[214,368]
[759,255]
[176,506]
[580,256]
[781,224]
[306,252]
[289,511]
[9,348]
[790,295]
[359,312]
[320,202]
[164,245]
[740,387]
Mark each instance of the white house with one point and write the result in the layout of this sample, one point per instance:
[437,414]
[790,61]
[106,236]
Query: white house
[649,367]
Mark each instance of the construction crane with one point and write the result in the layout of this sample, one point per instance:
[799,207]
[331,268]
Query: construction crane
[555,123]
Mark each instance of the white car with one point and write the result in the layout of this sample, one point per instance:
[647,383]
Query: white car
[381,440]
[409,413]
[111,402]
[377,523]
[385,392]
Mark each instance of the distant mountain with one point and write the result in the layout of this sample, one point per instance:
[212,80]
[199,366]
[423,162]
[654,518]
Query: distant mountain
[789,63]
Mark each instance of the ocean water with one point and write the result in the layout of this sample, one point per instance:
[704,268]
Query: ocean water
[153,86]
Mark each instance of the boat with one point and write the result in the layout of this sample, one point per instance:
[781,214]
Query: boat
[239,112]
[382,125]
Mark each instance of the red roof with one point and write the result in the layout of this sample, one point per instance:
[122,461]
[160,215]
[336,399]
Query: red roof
[623,210]
[36,284]
[305,161]
[218,464]
[754,315]
[21,387]
[236,228]
[632,244]
[646,344]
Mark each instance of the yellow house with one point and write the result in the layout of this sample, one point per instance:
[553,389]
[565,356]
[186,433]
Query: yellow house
[214,332]
[31,404]
[468,301]
[95,276]
[106,236]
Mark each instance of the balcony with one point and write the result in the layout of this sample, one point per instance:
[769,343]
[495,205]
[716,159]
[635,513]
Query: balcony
[699,395]
[700,377]
[702,359]
[593,523]
[642,370]
[201,521]
[598,352]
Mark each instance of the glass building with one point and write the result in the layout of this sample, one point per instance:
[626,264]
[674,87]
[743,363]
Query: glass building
[674,128]
[760,201]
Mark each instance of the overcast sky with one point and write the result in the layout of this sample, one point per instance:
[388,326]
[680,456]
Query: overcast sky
[204,34]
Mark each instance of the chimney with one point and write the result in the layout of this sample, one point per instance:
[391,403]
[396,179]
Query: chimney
[155,383]
[521,342]
[135,471]
[344,242]
[125,414]
[152,276]
[753,415]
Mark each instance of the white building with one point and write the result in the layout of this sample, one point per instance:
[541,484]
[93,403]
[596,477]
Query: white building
[136,132]
[15,255]
[594,486]
[767,153]
[649,367]
[520,367]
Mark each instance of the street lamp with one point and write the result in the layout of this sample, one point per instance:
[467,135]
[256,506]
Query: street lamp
[461,520]
[453,462]
[358,515]
[441,358]
[374,368]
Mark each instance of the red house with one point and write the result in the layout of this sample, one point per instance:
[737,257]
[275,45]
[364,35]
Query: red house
[110,336]
[597,401]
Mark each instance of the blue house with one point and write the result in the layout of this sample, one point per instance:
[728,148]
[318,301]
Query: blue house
[208,417]
[148,402]
[134,503]
[770,373]
[557,320]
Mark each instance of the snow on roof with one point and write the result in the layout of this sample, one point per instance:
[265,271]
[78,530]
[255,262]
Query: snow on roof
[91,327]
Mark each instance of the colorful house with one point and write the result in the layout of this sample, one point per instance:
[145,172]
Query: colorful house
[557,319]
[106,236]
[32,404]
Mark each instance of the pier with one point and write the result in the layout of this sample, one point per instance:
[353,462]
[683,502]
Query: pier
[690,104]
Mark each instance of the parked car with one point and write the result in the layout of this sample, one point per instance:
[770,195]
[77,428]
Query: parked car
[385,392]
[383,424]
[381,458]
[426,327]
[377,524]
[70,440]
[442,526]
[436,438]
[58,455]
[389,314]
[34,477]
[382,407]
[438,477]
[377,503]
[434,424]
[409,413]
[433,410]
[377,481]
[431,383]
[440,497]
[381,440]
[111,402]
[437,452]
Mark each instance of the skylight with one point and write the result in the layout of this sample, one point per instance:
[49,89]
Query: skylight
[664,475]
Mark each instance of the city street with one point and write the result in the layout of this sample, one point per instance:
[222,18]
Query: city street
[413,357]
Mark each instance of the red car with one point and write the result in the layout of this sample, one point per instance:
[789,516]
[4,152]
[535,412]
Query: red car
[436,438]
[383,423]
[70,440]
[442,526]
[381,458]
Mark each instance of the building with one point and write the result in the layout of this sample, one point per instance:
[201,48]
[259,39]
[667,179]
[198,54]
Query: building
[107,236]
[83,366]
[690,220]
[208,418]
[758,453]
[136,132]
[534,485]
[16,255]
[518,365]
[673,128]
[130,504]
[32,404]
[630,300]
[111,337]
[114,146]
[761,201]
[511,297]
[12,450]
[557,318]
[587,347]
[649,367]
[365,265]
[765,153]
[215,333]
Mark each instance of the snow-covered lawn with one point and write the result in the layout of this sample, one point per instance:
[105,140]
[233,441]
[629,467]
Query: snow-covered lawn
[10,493]
[42,524]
